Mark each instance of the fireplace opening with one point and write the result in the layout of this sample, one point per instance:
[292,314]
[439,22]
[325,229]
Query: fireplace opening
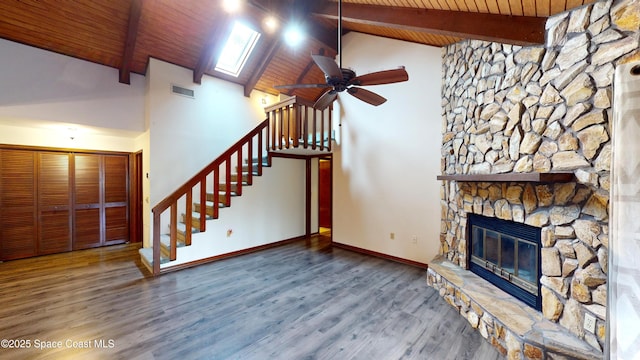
[507,254]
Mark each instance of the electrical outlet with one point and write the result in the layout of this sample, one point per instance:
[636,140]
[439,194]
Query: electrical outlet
[414,239]
[392,236]
[590,323]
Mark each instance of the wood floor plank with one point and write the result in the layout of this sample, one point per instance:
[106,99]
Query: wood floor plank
[304,300]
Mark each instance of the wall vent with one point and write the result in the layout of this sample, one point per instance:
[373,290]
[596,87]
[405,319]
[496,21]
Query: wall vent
[179,90]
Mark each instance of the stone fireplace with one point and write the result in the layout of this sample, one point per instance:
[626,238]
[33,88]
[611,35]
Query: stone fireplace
[534,110]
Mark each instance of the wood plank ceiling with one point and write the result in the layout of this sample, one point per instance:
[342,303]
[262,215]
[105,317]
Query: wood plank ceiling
[124,34]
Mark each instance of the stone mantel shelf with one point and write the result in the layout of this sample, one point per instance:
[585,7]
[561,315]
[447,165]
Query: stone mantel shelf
[549,177]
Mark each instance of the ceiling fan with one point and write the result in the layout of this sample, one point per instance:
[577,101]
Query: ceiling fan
[339,79]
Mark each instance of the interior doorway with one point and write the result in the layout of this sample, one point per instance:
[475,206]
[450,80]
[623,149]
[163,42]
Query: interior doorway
[136,197]
[324,196]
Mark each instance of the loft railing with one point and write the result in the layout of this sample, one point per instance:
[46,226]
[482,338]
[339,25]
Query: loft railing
[296,123]
[292,123]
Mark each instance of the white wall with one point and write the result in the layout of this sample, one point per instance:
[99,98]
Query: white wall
[187,134]
[38,85]
[270,210]
[389,156]
[56,136]
[142,143]
[45,94]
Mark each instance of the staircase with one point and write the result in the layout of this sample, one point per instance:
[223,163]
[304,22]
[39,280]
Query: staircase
[290,125]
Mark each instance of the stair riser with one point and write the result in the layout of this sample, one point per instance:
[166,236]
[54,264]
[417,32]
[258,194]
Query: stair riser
[265,160]
[223,187]
[146,264]
[164,249]
[195,221]
[209,210]
[245,177]
[222,197]
[254,167]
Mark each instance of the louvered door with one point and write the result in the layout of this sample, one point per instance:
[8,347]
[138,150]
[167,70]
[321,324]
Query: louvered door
[87,205]
[18,204]
[116,196]
[101,200]
[54,203]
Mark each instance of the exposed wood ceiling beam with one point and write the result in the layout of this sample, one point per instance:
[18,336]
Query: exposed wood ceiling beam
[304,72]
[130,43]
[320,33]
[262,67]
[519,30]
[212,49]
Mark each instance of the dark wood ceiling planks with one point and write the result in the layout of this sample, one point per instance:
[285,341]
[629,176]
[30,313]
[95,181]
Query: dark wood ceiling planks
[89,30]
[189,33]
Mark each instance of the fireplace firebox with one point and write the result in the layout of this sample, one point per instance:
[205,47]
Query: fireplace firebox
[507,254]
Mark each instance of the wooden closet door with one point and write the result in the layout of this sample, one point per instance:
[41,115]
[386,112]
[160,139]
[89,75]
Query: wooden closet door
[324,193]
[54,200]
[17,204]
[116,198]
[88,204]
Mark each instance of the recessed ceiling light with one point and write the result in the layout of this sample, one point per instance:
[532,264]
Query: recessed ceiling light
[270,23]
[293,36]
[231,6]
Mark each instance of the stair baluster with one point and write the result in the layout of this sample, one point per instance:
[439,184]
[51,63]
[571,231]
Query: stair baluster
[174,232]
[241,172]
[189,218]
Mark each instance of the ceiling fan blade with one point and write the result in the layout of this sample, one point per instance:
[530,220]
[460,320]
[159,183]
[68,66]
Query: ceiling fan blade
[301,86]
[328,66]
[325,100]
[367,96]
[381,77]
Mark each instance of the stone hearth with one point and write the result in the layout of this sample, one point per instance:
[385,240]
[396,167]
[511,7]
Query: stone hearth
[542,109]
[511,326]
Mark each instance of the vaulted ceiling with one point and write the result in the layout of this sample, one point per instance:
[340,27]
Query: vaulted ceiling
[124,34]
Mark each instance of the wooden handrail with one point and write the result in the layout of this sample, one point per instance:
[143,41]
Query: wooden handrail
[290,123]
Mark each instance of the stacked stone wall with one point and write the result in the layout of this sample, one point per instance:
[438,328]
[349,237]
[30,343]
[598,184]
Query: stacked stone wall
[541,109]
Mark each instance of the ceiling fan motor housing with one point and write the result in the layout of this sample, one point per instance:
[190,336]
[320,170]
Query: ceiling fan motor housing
[340,85]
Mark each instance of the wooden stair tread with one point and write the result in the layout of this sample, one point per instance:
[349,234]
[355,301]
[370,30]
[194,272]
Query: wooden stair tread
[146,254]
[182,228]
[255,160]
[224,192]
[245,167]
[165,240]
[196,215]
[210,204]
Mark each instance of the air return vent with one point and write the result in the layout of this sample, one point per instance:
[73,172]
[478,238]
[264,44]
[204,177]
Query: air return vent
[179,90]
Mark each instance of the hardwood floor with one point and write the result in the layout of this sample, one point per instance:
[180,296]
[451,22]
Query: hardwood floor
[304,300]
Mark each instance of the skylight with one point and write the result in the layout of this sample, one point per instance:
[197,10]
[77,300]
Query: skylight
[237,49]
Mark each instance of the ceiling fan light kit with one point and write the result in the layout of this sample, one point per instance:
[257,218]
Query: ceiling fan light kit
[339,79]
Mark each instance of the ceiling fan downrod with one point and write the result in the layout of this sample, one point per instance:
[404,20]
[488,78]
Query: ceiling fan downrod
[340,33]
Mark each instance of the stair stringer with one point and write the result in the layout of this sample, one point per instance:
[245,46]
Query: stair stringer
[270,210]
